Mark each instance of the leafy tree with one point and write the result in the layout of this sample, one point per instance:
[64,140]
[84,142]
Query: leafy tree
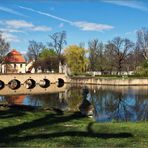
[76,59]
[49,63]
[45,53]
[34,49]
[4,47]
[58,40]
[145,64]
[143,68]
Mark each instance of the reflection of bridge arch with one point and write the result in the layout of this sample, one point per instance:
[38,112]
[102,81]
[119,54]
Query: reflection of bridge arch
[30,83]
[14,84]
[2,84]
[36,90]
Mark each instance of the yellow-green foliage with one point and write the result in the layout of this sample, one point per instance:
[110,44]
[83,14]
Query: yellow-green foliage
[45,53]
[76,59]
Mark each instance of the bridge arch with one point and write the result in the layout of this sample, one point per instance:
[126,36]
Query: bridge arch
[14,84]
[60,82]
[30,83]
[2,84]
[44,83]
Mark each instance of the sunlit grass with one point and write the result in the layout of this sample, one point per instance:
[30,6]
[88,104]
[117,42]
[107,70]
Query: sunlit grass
[46,128]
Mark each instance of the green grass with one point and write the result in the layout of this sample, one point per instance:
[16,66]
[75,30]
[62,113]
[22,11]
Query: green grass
[48,128]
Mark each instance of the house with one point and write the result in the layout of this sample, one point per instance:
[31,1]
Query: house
[13,62]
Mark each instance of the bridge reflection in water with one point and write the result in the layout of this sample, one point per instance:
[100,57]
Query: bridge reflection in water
[53,88]
[104,103]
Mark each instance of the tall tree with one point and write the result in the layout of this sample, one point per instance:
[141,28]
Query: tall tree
[76,59]
[135,59]
[93,47]
[110,60]
[142,41]
[4,47]
[120,48]
[58,40]
[96,55]
[34,49]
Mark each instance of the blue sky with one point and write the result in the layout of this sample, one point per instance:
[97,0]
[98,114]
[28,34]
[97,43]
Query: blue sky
[83,20]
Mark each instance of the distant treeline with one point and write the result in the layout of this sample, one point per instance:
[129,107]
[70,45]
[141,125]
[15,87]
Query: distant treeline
[115,56]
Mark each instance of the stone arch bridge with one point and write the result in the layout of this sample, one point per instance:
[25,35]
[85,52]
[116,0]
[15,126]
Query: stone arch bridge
[14,81]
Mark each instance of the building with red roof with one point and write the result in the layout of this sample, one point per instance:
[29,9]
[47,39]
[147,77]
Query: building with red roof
[14,62]
[14,57]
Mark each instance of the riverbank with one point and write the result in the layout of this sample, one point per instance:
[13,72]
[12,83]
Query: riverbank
[50,128]
[43,78]
[120,81]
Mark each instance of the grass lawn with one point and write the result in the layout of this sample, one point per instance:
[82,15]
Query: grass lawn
[48,128]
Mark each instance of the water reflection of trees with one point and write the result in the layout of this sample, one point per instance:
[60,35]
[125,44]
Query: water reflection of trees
[141,107]
[124,103]
[55,100]
[74,97]
[109,104]
[2,100]
[68,100]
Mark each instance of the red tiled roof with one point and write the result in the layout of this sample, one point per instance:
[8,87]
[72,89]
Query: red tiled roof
[14,57]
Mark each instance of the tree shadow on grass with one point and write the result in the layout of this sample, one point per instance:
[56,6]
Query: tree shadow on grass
[10,114]
[14,111]
[12,134]
[76,133]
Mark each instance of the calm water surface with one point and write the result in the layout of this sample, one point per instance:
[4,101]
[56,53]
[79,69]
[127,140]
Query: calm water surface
[103,103]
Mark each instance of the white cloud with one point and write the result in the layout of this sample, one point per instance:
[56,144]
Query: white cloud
[41,28]
[9,27]
[83,25]
[18,24]
[86,26]
[11,11]
[10,37]
[10,30]
[128,3]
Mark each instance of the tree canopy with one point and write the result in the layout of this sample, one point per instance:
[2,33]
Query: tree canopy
[45,53]
[34,49]
[76,59]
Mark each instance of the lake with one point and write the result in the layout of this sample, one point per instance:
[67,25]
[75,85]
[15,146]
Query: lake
[103,103]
